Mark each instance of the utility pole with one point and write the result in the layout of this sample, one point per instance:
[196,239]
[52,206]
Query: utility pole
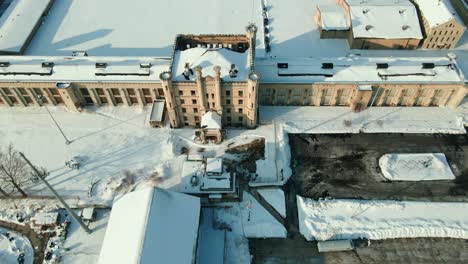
[40,99]
[12,180]
[69,210]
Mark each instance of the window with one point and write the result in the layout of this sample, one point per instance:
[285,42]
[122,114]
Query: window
[184,110]
[212,96]
[195,110]
[241,119]
[241,101]
[182,101]
[197,118]
[194,101]
[228,93]
[99,91]
[228,118]
[228,110]
[131,92]
[192,93]
[185,118]
[240,110]
[197,124]
[213,104]
[181,92]
[228,102]
[186,124]
[145,91]
[241,93]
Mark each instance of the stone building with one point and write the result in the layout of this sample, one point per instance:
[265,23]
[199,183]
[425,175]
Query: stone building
[374,24]
[218,73]
[361,82]
[443,28]
[212,72]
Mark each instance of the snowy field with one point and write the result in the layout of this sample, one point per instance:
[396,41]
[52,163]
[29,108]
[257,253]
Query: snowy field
[415,167]
[322,120]
[348,219]
[119,150]
[12,245]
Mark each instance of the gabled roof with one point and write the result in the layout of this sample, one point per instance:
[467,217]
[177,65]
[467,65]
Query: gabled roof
[152,226]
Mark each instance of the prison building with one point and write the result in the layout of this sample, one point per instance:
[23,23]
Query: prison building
[443,28]
[212,73]
[333,21]
[382,24]
[358,82]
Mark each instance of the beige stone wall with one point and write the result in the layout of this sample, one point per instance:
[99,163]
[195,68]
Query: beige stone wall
[360,43]
[445,36]
[348,95]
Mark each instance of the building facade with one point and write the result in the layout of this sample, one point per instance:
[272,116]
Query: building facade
[441,24]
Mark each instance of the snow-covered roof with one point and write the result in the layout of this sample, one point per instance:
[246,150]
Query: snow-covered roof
[18,23]
[384,19]
[123,28]
[333,17]
[214,165]
[207,58]
[81,69]
[157,111]
[437,12]
[211,120]
[363,70]
[152,225]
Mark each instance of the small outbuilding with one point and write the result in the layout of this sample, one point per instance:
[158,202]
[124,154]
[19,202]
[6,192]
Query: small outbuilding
[211,126]
[157,113]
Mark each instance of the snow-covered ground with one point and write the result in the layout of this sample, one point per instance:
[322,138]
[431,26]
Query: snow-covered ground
[82,247]
[257,221]
[415,167]
[12,245]
[348,219]
[309,119]
[275,197]
[118,148]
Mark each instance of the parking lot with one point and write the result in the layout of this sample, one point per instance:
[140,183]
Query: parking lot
[346,166]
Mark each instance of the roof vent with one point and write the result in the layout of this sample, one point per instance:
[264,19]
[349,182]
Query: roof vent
[369,27]
[428,65]
[365,11]
[327,65]
[80,53]
[47,64]
[187,71]
[282,65]
[382,65]
[4,63]
[405,27]
[402,11]
[101,65]
[233,71]
[145,65]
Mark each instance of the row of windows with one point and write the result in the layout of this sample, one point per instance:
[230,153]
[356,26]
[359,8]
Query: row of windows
[117,95]
[38,91]
[228,93]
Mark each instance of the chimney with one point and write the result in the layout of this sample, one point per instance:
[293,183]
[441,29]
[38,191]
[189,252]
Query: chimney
[187,72]
[233,71]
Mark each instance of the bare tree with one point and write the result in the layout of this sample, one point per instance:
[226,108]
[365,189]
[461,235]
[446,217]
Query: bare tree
[14,171]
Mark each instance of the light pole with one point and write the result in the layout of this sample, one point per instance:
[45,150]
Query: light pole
[40,100]
[65,205]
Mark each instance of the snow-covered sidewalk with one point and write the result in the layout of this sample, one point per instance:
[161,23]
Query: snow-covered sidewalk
[322,120]
[348,219]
